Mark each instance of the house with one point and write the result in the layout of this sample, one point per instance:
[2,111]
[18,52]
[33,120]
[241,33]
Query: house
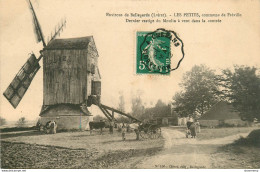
[163,115]
[182,121]
[70,80]
[222,113]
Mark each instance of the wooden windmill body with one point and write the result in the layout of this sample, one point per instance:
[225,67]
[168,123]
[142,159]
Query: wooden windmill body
[70,78]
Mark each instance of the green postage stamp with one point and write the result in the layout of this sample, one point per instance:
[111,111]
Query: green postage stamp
[158,52]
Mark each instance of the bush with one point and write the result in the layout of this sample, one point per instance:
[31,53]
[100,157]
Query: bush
[2,121]
[21,122]
[226,125]
[253,139]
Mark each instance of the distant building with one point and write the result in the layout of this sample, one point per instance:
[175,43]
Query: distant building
[163,115]
[183,120]
[222,113]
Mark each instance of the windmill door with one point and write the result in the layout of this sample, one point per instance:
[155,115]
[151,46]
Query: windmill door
[96,88]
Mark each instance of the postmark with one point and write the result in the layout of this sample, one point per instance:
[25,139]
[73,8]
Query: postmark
[158,52]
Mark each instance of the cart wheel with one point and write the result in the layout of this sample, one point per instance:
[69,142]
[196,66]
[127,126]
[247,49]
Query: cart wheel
[154,132]
[144,134]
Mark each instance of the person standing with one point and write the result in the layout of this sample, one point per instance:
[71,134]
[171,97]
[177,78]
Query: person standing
[123,132]
[193,130]
[111,127]
[136,129]
[137,134]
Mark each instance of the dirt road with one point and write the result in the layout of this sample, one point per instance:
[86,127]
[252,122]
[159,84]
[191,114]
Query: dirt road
[180,152]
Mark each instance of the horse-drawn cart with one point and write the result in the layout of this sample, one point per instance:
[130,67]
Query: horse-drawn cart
[149,131]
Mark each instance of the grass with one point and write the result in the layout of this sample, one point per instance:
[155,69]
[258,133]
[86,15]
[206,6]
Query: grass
[237,156]
[242,153]
[212,133]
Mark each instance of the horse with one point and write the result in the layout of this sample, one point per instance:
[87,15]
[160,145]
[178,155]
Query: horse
[135,127]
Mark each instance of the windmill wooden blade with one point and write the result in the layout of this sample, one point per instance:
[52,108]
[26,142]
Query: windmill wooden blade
[57,31]
[37,27]
[16,90]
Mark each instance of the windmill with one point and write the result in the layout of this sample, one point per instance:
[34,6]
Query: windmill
[71,79]
[21,82]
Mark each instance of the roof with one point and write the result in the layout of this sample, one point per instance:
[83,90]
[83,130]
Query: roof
[158,117]
[221,111]
[70,43]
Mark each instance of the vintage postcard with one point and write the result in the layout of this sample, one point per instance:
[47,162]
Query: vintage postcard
[134,84]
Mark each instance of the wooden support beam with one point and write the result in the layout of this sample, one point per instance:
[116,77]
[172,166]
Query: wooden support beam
[117,111]
[105,113]
[111,116]
[108,113]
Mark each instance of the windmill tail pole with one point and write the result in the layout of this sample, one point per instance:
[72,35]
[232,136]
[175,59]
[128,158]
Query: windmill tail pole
[119,112]
[110,116]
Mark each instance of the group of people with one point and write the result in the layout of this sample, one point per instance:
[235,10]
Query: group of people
[49,128]
[124,128]
[192,129]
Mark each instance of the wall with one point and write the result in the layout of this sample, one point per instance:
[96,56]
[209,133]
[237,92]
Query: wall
[67,116]
[65,74]
[236,122]
[69,122]
[165,121]
[214,123]
[183,120]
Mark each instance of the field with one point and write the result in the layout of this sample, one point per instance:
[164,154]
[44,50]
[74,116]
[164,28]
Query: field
[213,148]
[31,149]
[236,156]
[243,152]
[213,133]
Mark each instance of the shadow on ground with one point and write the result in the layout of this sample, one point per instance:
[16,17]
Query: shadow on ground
[20,134]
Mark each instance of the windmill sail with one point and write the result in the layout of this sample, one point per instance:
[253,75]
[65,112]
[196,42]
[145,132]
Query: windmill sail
[16,90]
[37,27]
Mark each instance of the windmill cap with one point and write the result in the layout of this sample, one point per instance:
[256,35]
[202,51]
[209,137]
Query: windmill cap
[69,43]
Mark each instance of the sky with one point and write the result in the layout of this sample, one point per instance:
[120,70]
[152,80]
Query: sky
[217,45]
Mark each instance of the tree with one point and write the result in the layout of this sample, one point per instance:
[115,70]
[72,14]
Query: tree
[199,92]
[21,122]
[2,121]
[183,106]
[160,103]
[99,118]
[137,104]
[242,89]
[123,119]
[121,105]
